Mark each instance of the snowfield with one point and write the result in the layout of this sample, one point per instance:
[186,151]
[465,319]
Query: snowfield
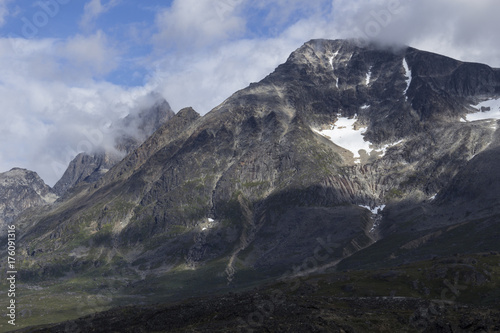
[368,76]
[493,113]
[344,135]
[408,76]
[375,210]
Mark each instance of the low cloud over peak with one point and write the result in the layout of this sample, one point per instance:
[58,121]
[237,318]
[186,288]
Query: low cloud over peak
[87,63]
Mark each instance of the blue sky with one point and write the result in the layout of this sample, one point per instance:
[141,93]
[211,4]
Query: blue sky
[69,66]
[122,22]
[134,29]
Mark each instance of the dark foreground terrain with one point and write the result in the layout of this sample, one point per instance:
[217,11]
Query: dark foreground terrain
[456,294]
[239,313]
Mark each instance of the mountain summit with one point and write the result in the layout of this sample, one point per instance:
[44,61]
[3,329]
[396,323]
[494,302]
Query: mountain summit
[133,130]
[21,189]
[355,155]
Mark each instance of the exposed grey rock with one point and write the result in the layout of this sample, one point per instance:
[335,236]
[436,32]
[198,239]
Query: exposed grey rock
[253,185]
[86,168]
[132,132]
[21,189]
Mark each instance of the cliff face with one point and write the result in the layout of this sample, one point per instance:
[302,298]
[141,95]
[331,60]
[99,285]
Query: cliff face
[343,145]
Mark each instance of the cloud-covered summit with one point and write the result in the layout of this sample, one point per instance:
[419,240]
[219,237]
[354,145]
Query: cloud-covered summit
[68,67]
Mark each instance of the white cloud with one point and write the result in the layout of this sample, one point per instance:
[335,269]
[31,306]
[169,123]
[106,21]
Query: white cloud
[4,11]
[72,60]
[95,52]
[457,28]
[204,82]
[204,77]
[466,31]
[189,24]
[203,52]
[52,107]
[92,10]
[50,123]
[280,13]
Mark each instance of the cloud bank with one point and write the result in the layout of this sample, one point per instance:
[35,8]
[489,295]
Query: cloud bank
[54,105]
[56,92]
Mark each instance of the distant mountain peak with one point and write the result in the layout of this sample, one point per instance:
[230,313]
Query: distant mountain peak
[21,189]
[363,149]
[134,129]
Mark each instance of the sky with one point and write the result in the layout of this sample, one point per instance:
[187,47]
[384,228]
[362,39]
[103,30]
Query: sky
[71,68]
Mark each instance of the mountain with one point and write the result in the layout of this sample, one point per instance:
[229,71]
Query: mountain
[346,156]
[21,189]
[134,129]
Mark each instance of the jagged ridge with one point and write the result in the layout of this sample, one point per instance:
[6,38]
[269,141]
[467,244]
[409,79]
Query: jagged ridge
[253,185]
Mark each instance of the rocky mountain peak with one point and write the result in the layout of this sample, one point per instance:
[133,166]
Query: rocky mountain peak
[363,149]
[21,189]
[22,177]
[133,130]
[137,127]
[188,113]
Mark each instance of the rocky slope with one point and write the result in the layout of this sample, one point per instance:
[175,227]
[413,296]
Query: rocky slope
[267,180]
[259,177]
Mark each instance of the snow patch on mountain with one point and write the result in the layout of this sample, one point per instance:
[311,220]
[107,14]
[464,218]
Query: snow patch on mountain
[209,224]
[489,109]
[374,210]
[331,59]
[377,218]
[384,148]
[368,76]
[408,76]
[344,134]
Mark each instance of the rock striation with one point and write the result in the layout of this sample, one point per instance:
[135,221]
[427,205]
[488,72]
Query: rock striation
[258,183]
